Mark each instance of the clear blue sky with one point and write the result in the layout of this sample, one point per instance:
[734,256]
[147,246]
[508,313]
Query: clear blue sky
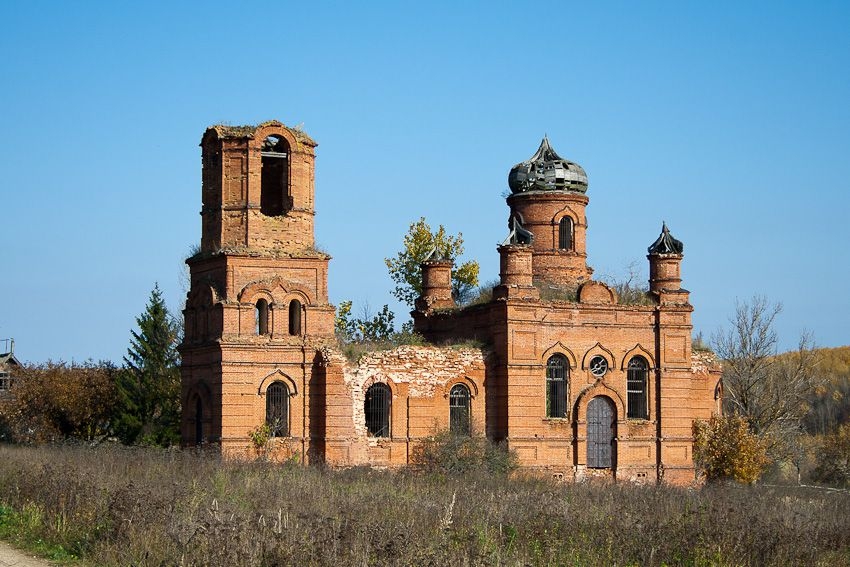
[731,121]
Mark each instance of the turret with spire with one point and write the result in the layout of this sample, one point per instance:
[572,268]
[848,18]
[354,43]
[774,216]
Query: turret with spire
[665,260]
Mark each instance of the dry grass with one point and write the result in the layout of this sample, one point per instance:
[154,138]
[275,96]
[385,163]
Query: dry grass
[118,506]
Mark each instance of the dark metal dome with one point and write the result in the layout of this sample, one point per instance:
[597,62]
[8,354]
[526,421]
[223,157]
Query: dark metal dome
[547,171]
[666,243]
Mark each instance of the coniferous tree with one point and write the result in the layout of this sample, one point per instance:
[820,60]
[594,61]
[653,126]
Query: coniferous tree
[149,384]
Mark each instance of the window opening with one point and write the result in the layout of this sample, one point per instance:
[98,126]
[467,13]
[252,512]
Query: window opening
[565,234]
[598,366]
[274,184]
[377,409]
[557,374]
[277,409]
[459,401]
[5,381]
[294,317]
[636,388]
[262,317]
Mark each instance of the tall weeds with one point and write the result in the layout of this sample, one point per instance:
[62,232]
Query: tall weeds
[118,506]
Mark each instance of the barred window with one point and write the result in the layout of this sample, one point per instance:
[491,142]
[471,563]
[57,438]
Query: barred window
[636,388]
[565,234]
[377,409]
[459,401]
[277,409]
[557,377]
[262,317]
[294,317]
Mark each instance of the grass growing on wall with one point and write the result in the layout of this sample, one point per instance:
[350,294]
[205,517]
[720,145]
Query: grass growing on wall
[118,506]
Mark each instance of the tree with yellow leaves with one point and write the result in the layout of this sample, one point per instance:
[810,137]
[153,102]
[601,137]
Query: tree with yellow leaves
[726,449]
[419,242]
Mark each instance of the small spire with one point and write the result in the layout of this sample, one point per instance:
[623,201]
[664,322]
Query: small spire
[666,243]
[518,235]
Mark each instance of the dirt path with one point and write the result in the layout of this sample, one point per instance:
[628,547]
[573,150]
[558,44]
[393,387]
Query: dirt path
[9,557]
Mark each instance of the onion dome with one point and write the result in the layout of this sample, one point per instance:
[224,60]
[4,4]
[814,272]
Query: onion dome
[666,243]
[547,171]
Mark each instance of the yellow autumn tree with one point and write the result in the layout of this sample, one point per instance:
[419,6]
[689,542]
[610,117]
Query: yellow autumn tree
[726,449]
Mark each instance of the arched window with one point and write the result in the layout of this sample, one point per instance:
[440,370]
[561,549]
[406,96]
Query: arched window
[636,388]
[459,409]
[261,318]
[274,184]
[294,317]
[565,234]
[277,409]
[377,409]
[557,376]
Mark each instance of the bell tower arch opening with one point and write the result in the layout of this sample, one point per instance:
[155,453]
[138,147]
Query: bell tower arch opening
[275,197]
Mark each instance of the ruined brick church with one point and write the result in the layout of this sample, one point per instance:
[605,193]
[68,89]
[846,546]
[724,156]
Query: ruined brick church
[577,381]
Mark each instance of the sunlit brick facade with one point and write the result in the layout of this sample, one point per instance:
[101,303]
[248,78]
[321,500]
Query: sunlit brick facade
[576,380]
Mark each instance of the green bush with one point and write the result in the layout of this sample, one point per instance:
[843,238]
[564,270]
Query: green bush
[450,453]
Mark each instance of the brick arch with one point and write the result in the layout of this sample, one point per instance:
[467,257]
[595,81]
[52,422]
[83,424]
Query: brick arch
[276,289]
[298,294]
[210,136]
[465,380]
[637,350]
[567,211]
[200,389]
[372,380]
[596,292]
[560,348]
[203,295]
[598,349]
[277,376]
[274,128]
[600,388]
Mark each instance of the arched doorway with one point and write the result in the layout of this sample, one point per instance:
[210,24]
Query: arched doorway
[600,433]
[199,421]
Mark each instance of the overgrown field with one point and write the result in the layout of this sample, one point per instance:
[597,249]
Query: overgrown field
[120,506]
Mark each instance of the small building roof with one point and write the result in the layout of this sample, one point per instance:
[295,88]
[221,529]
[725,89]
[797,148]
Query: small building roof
[547,171]
[666,243]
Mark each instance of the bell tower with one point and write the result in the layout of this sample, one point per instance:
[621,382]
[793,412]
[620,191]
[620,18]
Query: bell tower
[257,309]
[548,199]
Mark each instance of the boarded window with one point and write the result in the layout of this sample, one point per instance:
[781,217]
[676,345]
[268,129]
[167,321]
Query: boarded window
[600,433]
[557,375]
[377,409]
[565,234]
[277,409]
[262,317]
[294,317]
[459,401]
[274,185]
[636,388]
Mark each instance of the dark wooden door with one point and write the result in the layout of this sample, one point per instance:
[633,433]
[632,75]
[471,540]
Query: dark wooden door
[600,433]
